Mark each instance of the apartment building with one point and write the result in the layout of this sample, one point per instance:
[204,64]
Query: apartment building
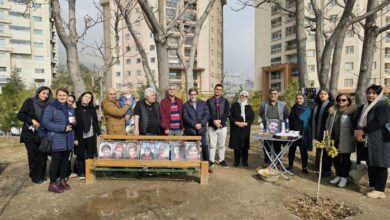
[276,53]
[128,69]
[27,42]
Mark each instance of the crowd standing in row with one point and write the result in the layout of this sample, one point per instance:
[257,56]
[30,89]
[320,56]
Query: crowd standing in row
[75,125]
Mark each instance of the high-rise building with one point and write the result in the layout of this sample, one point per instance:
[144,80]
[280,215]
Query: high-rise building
[276,53]
[27,42]
[128,69]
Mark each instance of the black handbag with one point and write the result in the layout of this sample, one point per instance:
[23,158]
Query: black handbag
[46,144]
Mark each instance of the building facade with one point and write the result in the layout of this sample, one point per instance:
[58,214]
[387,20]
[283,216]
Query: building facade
[276,53]
[28,42]
[128,69]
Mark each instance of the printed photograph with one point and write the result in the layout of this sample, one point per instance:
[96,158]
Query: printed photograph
[177,152]
[118,151]
[192,151]
[132,150]
[163,150]
[105,150]
[273,126]
[148,150]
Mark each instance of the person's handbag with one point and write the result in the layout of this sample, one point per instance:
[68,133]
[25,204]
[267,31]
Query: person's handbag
[46,144]
[386,132]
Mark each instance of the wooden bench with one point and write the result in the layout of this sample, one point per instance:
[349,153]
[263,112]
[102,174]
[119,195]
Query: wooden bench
[93,165]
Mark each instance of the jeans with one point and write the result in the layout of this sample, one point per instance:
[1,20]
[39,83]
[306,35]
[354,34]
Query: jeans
[217,139]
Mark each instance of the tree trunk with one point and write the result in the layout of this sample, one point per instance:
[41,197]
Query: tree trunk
[301,44]
[163,68]
[336,63]
[369,44]
[70,43]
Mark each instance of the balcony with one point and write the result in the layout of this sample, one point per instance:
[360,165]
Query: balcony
[6,35]
[387,71]
[6,49]
[387,56]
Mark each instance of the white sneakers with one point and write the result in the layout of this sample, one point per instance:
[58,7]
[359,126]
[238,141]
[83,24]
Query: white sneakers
[376,195]
[342,181]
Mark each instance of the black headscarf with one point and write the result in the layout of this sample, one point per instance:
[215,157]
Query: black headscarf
[38,103]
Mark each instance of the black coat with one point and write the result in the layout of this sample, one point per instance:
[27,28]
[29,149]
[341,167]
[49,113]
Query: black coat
[26,114]
[223,109]
[240,137]
[80,149]
[322,121]
[377,152]
[192,117]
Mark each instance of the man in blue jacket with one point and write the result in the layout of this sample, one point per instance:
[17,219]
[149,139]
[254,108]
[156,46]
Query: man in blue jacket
[195,118]
[219,112]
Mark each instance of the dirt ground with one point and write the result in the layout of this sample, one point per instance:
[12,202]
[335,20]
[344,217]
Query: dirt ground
[232,193]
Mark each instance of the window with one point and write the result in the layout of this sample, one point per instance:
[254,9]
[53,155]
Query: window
[276,86]
[152,47]
[21,42]
[277,48]
[36,5]
[311,68]
[348,66]
[153,60]
[277,22]
[1,14]
[349,33]
[274,10]
[150,35]
[3,69]
[37,18]
[2,28]
[2,56]
[173,40]
[348,82]
[349,49]
[2,42]
[138,60]
[172,51]
[372,81]
[387,19]
[387,37]
[37,31]
[387,82]
[291,45]
[276,60]
[276,35]
[18,14]
[374,65]
[188,40]
[171,13]
[40,71]
[291,30]
[38,58]
[332,2]
[118,74]
[19,28]
[117,62]
[174,75]
[138,72]
[310,53]
[128,73]
[128,61]
[275,75]
[128,49]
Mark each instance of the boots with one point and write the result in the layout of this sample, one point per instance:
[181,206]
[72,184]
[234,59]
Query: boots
[54,187]
[63,184]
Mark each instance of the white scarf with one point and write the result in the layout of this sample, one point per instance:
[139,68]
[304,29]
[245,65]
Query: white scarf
[242,105]
[367,108]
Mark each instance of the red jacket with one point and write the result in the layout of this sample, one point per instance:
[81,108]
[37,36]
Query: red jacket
[165,112]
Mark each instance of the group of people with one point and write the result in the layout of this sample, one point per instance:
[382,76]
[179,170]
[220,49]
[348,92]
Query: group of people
[361,129]
[74,126]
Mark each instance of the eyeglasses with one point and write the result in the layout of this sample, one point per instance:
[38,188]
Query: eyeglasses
[244,96]
[342,100]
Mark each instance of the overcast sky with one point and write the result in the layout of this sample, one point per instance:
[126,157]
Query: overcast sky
[238,37]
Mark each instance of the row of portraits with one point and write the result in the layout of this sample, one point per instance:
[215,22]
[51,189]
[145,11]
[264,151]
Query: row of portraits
[149,150]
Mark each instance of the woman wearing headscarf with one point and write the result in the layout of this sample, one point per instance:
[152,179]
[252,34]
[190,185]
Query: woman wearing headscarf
[87,130]
[373,141]
[324,100]
[30,114]
[241,118]
[300,120]
[339,125]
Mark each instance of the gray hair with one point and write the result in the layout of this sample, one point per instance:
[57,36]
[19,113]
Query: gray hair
[148,92]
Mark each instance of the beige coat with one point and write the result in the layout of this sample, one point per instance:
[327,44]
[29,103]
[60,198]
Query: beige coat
[115,117]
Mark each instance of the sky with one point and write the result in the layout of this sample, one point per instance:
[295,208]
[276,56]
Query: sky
[238,37]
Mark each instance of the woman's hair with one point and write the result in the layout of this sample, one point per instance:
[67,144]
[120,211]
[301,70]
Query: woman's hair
[106,146]
[346,95]
[42,88]
[62,90]
[119,145]
[90,104]
[317,98]
[377,88]
[192,90]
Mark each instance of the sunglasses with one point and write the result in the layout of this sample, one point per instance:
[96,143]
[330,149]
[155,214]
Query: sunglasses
[342,100]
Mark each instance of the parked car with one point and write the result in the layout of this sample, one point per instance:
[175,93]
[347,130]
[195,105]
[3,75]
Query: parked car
[16,131]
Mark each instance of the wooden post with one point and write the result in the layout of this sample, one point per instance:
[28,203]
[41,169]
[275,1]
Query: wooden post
[204,172]
[89,174]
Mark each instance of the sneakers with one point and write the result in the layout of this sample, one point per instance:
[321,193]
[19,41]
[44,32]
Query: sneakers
[81,177]
[376,195]
[223,164]
[290,168]
[365,190]
[335,180]
[73,175]
[343,182]
[305,171]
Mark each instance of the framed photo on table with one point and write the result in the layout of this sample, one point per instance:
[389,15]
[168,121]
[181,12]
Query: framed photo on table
[273,126]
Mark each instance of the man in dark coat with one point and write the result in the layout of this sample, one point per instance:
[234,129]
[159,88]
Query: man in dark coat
[147,114]
[219,113]
[195,118]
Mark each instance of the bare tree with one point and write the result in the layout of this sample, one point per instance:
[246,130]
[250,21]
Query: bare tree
[301,44]
[69,40]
